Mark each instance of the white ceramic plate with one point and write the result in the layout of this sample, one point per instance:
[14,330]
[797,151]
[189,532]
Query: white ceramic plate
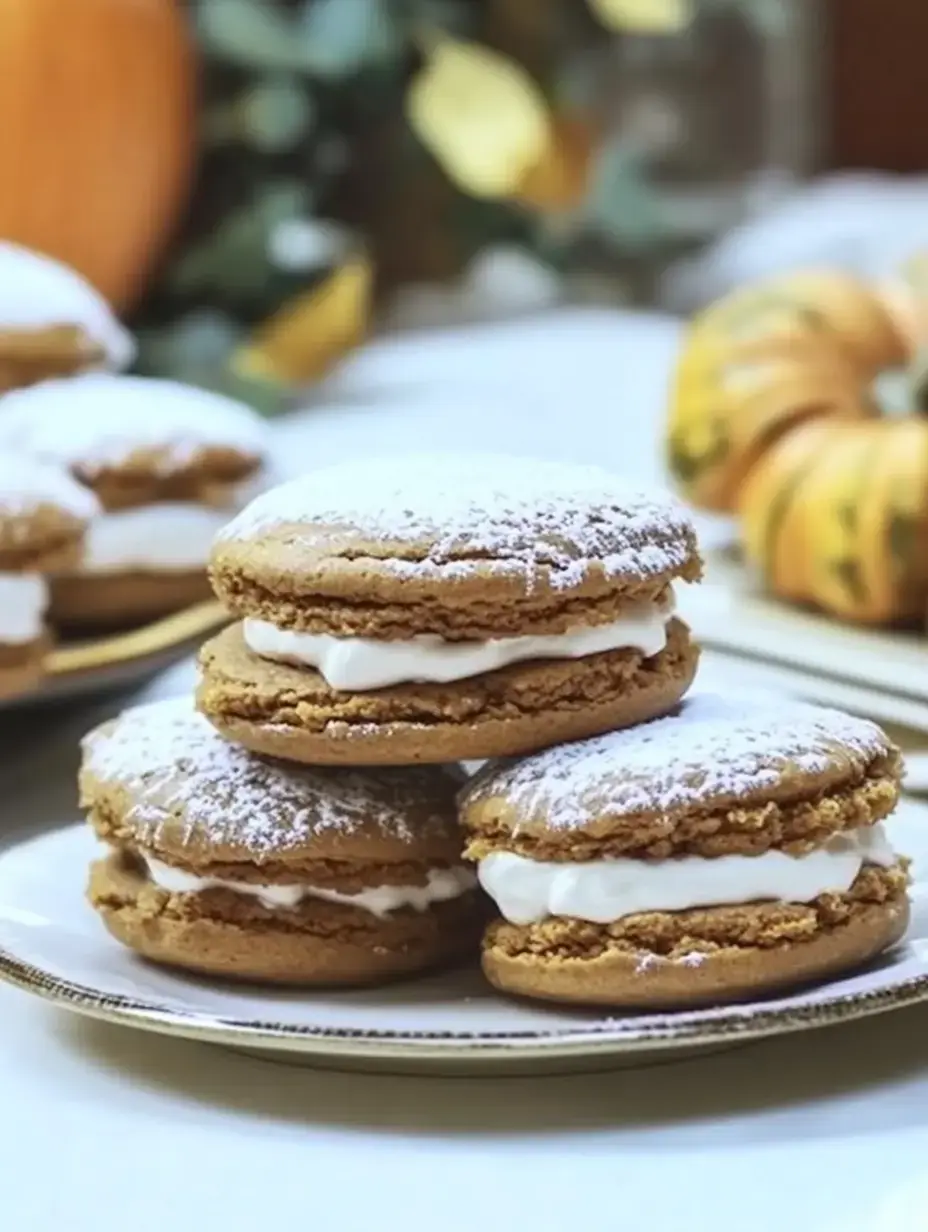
[729,612]
[51,944]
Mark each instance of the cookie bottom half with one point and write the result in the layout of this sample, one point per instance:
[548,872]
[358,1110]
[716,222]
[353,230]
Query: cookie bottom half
[28,356]
[290,712]
[114,600]
[661,961]
[22,665]
[219,933]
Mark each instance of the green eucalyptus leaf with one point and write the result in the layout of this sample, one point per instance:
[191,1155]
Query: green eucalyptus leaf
[267,397]
[249,33]
[622,205]
[772,18]
[458,17]
[187,349]
[339,37]
[278,200]
[197,350]
[234,260]
[276,114]
[205,337]
[155,350]
[332,155]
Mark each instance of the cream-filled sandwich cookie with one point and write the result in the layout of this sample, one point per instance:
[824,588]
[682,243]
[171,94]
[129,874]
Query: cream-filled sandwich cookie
[720,853]
[226,863]
[439,608]
[53,322]
[43,518]
[170,464]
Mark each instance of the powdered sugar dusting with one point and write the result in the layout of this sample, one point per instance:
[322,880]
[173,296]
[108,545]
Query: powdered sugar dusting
[99,419]
[178,769]
[37,292]
[26,485]
[694,958]
[715,749]
[498,510]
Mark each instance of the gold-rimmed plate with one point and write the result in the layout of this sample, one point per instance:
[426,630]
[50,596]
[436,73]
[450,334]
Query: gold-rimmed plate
[82,668]
[52,945]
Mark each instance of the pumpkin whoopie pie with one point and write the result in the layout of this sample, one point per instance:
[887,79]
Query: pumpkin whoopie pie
[230,864]
[52,321]
[440,608]
[43,518]
[170,464]
[723,852]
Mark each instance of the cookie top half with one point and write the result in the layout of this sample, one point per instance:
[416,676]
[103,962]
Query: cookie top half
[38,293]
[438,532]
[719,776]
[43,515]
[135,435]
[159,779]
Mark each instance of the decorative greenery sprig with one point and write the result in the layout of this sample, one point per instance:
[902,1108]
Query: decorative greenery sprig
[350,147]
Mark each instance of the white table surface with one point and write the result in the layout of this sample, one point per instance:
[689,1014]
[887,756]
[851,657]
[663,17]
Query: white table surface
[103,1128]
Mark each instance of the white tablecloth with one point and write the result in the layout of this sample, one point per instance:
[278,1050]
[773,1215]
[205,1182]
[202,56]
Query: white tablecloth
[104,1128]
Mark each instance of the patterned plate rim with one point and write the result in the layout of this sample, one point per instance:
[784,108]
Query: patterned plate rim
[616,1035]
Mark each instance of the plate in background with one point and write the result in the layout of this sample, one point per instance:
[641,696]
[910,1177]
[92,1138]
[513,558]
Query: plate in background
[52,945]
[80,669]
[836,663]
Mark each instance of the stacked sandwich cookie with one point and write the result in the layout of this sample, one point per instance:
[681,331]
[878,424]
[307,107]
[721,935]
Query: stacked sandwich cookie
[408,611]
[721,853]
[43,519]
[225,863]
[438,609]
[395,617]
[53,322]
[169,463]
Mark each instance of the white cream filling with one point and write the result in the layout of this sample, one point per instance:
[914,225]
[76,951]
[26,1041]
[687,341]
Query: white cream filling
[602,891]
[161,537]
[23,600]
[358,663]
[166,536]
[442,884]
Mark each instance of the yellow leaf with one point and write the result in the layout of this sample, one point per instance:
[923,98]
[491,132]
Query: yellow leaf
[559,179]
[481,115]
[305,337]
[645,16]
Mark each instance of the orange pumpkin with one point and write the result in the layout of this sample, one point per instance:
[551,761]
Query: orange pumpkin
[905,296]
[96,132]
[773,417]
[836,515]
[765,358]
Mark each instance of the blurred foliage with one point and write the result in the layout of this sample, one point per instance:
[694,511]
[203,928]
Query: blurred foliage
[645,16]
[354,148]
